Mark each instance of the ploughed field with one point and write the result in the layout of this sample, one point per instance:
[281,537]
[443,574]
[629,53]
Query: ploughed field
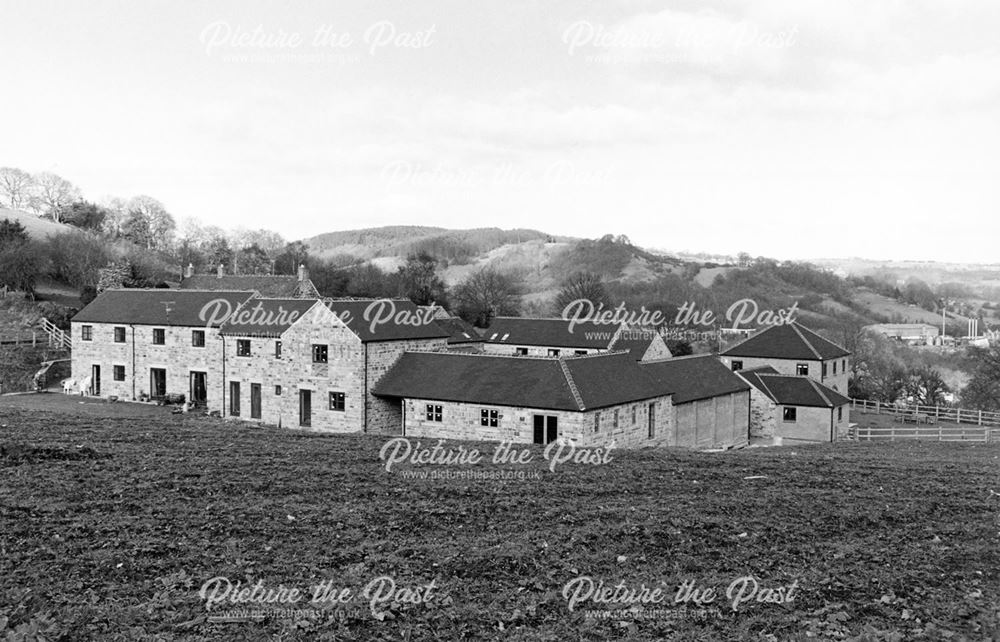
[113,522]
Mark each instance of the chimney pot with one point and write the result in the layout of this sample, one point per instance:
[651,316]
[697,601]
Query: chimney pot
[302,272]
[189,271]
[222,270]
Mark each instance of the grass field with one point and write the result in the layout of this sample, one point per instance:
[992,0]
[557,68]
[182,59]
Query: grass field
[113,516]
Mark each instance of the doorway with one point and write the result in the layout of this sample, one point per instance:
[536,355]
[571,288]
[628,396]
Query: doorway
[199,388]
[546,429]
[95,380]
[305,407]
[157,382]
[255,401]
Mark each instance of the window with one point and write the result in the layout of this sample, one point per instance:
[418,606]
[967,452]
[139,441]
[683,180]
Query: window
[522,352]
[843,365]
[277,391]
[579,353]
[834,367]
[119,335]
[198,338]
[337,401]
[119,373]
[159,336]
[597,422]
[634,413]
[87,333]
[616,418]
[320,353]
[840,413]
[788,414]
[277,349]
[243,347]
[489,417]
[823,369]
[553,352]
[802,369]
[434,412]
[737,365]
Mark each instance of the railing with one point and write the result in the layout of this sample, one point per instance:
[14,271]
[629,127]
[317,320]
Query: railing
[929,414]
[931,433]
[57,337]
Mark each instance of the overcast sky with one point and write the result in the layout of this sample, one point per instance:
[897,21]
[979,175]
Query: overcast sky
[792,128]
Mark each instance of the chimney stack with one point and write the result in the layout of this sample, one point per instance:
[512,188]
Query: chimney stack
[303,272]
[189,271]
[221,271]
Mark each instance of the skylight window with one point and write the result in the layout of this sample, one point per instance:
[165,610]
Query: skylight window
[504,337]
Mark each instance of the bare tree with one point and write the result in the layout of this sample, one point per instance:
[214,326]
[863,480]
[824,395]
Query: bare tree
[485,294]
[582,286]
[52,195]
[16,186]
[158,220]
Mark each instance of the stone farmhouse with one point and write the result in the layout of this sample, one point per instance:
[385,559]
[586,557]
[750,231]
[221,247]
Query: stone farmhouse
[591,399]
[553,337]
[795,408]
[136,344]
[792,349]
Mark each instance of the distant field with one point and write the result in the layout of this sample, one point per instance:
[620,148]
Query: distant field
[112,516]
[38,228]
[878,304]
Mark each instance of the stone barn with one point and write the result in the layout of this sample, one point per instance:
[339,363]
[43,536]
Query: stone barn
[793,349]
[795,408]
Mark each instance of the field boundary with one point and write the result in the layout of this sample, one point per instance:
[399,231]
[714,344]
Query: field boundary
[971,434]
[916,413]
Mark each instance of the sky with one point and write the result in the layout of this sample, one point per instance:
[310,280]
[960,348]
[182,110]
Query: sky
[794,129]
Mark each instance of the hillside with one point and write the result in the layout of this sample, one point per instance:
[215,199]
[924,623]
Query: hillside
[402,240]
[38,228]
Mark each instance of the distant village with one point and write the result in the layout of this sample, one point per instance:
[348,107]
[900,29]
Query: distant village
[288,357]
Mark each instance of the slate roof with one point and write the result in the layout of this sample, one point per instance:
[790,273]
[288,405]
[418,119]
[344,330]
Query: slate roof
[694,377]
[480,379]
[160,306]
[406,319]
[260,317]
[554,332]
[635,340]
[459,330]
[791,390]
[571,383]
[787,341]
[268,285]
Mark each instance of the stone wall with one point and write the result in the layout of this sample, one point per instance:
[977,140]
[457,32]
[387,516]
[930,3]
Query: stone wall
[516,424]
[139,355]
[788,367]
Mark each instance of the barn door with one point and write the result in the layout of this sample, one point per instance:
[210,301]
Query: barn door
[546,429]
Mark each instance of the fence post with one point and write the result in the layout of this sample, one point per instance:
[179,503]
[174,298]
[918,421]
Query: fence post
[980,417]
[876,407]
[940,435]
[937,413]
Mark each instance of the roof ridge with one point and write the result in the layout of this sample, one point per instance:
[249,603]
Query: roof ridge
[767,389]
[572,385]
[806,341]
[681,358]
[822,395]
[822,338]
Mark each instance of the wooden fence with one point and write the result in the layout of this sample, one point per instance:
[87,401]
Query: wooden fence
[919,414]
[970,434]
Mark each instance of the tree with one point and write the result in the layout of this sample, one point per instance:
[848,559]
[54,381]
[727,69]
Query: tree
[158,221]
[76,258]
[12,233]
[679,347]
[20,265]
[289,260]
[582,286]
[486,294]
[115,215]
[52,195]
[419,281]
[876,372]
[16,186]
[926,386]
[983,390]
[136,229]
[251,260]
[219,253]
[84,215]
